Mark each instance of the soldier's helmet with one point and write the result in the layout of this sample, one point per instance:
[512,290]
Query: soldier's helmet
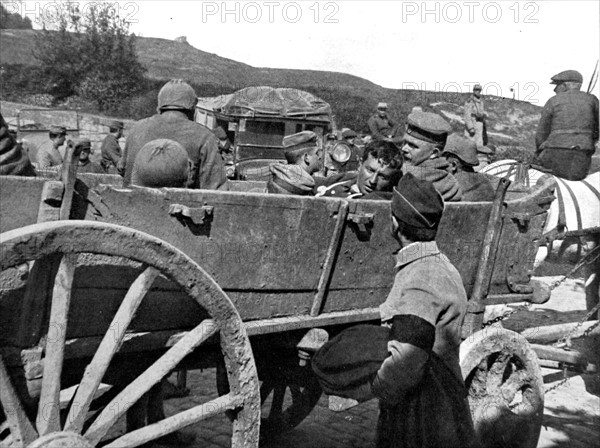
[177,94]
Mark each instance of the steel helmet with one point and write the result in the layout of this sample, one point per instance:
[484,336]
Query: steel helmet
[177,94]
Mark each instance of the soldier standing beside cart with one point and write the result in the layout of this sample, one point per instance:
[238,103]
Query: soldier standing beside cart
[380,125]
[110,149]
[475,118]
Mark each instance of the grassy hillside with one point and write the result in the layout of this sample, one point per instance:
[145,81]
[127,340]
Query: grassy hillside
[512,123]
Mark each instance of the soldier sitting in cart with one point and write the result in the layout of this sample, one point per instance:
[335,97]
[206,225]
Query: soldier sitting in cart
[176,104]
[379,170]
[424,141]
[461,154]
[14,161]
[304,156]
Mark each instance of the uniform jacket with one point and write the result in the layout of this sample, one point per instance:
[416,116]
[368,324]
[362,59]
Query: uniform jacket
[420,386]
[475,187]
[48,156]
[201,144]
[14,160]
[568,119]
[435,171]
[474,111]
[380,128]
[111,152]
[338,186]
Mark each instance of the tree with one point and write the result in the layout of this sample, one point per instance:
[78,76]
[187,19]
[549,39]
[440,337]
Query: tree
[91,54]
[13,21]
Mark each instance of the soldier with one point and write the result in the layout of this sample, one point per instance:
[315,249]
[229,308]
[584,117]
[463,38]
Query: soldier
[568,129]
[423,400]
[14,161]
[50,155]
[475,118]
[85,165]
[110,149]
[380,125]
[304,155]
[424,141]
[174,121]
[461,154]
[379,170]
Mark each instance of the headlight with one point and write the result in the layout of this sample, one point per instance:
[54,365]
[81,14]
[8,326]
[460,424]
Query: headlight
[340,152]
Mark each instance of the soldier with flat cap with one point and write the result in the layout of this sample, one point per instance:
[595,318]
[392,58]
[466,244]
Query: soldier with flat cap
[50,154]
[380,124]
[423,400]
[424,140]
[304,155]
[110,149]
[85,165]
[568,129]
[475,117]
[174,121]
[461,154]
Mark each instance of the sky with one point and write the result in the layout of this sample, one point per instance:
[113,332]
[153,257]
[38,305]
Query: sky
[430,45]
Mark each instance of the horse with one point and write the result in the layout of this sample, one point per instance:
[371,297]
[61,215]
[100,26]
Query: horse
[573,216]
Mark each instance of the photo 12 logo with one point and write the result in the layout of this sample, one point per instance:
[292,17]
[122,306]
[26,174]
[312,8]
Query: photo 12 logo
[49,13]
[469,12]
[270,12]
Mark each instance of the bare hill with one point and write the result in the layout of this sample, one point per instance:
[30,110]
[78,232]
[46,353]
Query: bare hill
[353,99]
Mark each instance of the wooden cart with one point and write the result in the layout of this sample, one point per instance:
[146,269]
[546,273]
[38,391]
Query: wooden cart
[119,287]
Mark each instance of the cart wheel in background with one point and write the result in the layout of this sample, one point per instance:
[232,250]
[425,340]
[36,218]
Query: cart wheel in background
[505,387]
[66,239]
[288,394]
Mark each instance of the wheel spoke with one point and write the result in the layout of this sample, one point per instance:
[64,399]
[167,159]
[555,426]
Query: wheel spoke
[21,429]
[48,417]
[132,393]
[515,383]
[178,421]
[111,342]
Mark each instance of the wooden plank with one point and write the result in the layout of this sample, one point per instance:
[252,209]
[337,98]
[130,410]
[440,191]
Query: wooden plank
[552,333]
[558,354]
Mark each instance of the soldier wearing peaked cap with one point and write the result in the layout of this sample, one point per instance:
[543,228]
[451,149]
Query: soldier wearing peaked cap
[51,154]
[175,121]
[420,384]
[568,129]
[304,155]
[380,125]
[110,149]
[424,140]
[461,154]
[475,118]
[85,165]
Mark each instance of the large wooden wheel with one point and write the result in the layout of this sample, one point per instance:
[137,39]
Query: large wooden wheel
[49,427]
[505,386]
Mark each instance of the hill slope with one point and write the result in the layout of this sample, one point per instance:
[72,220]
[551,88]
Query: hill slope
[512,123]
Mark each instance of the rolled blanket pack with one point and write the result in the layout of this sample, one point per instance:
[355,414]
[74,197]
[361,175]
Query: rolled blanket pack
[161,163]
[290,179]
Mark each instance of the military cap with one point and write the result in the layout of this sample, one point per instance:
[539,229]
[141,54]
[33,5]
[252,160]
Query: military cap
[115,124]
[57,130]
[348,133]
[382,106]
[463,148]
[567,76]
[477,87]
[428,127]
[299,141]
[83,143]
[417,204]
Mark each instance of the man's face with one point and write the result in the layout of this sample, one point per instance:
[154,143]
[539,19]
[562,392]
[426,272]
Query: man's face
[313,161]
[477,93]
[59,140]
[84,155]
[562,87]
[416,151]
[120,133]
[374,175]
[382,112]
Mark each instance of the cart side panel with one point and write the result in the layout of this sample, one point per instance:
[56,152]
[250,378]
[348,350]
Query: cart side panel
[20,199]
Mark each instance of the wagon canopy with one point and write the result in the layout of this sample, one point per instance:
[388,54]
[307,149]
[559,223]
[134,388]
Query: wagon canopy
[269,102]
